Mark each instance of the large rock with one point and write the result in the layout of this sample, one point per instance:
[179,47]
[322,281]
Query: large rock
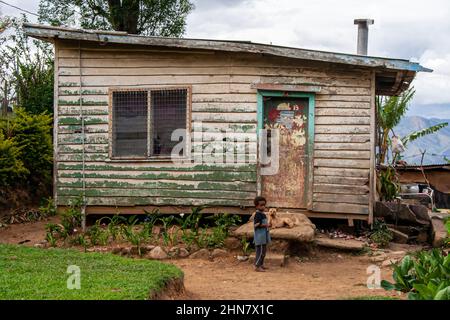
[302,232]
[342,244]
[394,211]
[232,243]
[439,232]
[219,253]
[200,254]
[183,253]
[399,236]
[158,253]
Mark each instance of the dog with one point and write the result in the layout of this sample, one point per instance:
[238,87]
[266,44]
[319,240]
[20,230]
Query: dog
[276,221]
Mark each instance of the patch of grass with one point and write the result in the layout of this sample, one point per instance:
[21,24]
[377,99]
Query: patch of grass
[32,273]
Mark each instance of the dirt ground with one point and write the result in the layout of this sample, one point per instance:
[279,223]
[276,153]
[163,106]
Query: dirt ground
[323,274]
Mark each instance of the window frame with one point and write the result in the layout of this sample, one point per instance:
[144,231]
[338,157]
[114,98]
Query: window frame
[148,157]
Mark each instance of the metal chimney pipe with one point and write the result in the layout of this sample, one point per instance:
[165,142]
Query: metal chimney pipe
[363,35]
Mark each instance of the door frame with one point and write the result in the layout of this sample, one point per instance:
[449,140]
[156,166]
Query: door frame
[310,145]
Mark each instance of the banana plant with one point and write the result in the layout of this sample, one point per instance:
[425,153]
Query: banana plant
[425,277]
[420,133]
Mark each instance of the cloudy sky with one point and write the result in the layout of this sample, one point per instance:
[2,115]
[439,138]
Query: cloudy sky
[409,29]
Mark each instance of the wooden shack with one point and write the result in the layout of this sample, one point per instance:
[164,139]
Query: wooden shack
[119,96]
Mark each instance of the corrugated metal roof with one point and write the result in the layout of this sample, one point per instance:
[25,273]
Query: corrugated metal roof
[393,75]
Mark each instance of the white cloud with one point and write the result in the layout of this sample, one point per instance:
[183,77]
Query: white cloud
[415,30]
[410,29]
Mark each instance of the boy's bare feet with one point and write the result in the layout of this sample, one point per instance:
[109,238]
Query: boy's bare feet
[259,269]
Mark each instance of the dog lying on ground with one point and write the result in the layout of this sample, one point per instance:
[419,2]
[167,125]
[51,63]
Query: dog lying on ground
[276,221]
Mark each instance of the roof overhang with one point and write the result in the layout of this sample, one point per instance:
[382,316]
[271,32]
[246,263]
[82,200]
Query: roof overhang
[392,75]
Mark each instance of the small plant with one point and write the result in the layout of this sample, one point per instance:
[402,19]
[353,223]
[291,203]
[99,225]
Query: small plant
[217,237]
[94,234]
[80,239]
[135,238]
[192,220]
[425,276]
[188,237]
[388,185]
[202,238]
[381,235]
[113,225]
[225,221]
[245,246]
[54,232]
[48,208]
[71,219]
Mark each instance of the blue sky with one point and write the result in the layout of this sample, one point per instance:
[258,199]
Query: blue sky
[414,30]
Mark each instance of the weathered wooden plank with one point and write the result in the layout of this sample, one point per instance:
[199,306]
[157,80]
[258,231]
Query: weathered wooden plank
[224,146]
[90,138]
[235,157]
[342,138]
[341,207]
[341,105]
[157,201]
[75,110]
[342,112]
[157,184]
[341,189]
[157,175]
[342,129]
[212,130]
[234,107]
[341,172]
[342,98]
[92,100]
[78,148]
[354,181]
[347,154]
[232,97]
[88,120]
[341,198]
[341,146]
[88,157]
[225,117]
[91,128]
[342,163]
[332,120]
[209,194]
[273,74]
[232,136]
[158,166]
[133,80]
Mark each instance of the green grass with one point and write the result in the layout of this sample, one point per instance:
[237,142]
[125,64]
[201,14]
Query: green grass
[41,274]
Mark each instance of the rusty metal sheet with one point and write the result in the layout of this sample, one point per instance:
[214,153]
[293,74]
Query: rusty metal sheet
[286,189]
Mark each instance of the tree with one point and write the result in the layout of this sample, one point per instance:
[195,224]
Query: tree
[165,18]
[26,70]
[390,111]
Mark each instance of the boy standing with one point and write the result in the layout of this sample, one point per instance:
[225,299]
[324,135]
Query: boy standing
[261,233]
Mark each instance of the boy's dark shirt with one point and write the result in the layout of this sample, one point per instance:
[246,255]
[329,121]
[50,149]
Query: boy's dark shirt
[259,216]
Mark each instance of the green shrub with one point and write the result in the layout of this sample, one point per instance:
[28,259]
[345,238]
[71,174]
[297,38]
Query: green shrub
[48,208]
[425,276]
[12,169]
[32,135]
[72,217]
[447,225]
[381,235]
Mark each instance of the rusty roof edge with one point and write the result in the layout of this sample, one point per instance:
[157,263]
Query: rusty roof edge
[44,31]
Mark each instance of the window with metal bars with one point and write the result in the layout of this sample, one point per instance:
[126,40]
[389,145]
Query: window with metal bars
[143,121]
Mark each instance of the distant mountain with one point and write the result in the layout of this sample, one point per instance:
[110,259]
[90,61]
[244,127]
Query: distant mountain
[437,145]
